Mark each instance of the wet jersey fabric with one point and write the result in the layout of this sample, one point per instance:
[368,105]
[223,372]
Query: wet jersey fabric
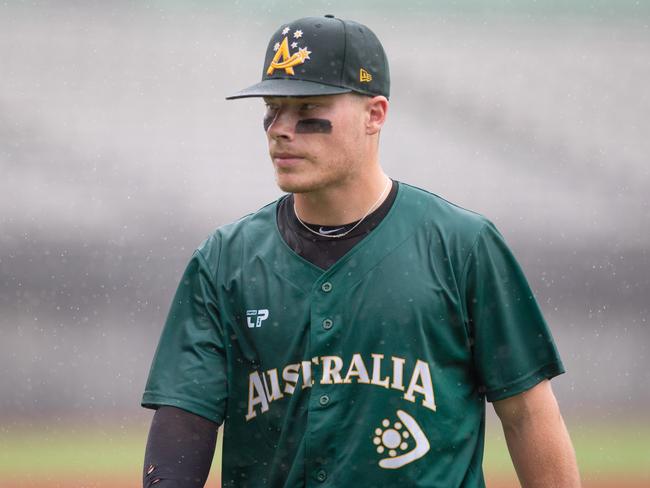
[372,373]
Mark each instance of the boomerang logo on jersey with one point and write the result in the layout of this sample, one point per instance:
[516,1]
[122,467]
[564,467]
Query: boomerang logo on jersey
[283,58]
[403,441]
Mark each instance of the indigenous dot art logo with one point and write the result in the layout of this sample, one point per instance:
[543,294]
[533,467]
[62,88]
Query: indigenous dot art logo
[402,441]
[284,58]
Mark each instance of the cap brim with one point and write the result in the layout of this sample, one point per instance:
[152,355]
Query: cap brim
[282,87]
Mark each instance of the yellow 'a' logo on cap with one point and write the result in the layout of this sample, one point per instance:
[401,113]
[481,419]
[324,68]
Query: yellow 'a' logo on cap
[283,58]
[364,76]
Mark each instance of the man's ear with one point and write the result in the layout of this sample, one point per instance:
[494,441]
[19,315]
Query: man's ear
[376,112]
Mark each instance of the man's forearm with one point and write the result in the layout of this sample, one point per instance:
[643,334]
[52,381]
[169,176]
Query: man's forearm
[538,440]
[543,457]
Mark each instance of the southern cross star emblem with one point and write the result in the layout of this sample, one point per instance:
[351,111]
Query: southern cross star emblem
[284,58]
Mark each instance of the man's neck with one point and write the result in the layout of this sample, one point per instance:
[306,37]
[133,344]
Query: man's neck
[344,203]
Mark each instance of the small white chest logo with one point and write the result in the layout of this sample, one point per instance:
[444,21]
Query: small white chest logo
[254,318]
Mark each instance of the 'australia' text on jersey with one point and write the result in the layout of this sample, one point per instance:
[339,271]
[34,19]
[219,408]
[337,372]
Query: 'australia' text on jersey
[264,388]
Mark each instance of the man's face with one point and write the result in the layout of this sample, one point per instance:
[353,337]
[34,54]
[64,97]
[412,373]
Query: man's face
[315,142]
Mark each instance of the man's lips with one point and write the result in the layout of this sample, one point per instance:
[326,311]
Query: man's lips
[285,155]
[285,158]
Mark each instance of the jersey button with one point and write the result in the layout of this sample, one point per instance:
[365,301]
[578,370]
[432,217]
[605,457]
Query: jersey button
[321,475]
[327,324]
[324,400]
[326,287]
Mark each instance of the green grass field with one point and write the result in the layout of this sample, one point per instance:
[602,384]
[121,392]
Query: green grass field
[77,453]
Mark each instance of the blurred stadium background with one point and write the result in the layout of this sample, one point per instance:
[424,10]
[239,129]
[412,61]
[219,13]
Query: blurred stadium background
[119,155]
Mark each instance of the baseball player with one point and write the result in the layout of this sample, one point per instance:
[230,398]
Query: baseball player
[349,333]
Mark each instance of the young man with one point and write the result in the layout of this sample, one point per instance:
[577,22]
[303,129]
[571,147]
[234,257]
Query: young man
[349,333]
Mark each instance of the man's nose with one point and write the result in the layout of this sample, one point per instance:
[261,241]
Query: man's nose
[280,124]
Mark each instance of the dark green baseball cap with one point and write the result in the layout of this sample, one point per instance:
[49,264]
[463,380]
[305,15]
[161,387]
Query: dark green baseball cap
[316,56]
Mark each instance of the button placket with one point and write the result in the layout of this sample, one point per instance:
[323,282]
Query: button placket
[319,448]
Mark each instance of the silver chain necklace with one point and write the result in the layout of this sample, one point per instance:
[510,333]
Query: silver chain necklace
[343,234]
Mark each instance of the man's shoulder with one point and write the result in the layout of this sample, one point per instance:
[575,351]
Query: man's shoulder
[262,220]
[443,215]
[247,229]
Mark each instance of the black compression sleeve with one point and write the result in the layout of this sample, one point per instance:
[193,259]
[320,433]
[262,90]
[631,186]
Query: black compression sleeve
[179,449]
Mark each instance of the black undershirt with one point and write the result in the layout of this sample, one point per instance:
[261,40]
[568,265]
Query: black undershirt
[324,251]
[181,444]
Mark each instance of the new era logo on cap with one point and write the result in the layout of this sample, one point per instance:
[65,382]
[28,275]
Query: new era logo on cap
[322,56]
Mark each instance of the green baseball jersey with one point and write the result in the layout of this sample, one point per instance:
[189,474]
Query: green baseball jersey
[371,373]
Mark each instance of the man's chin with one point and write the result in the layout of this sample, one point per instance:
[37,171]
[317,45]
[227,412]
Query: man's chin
[294,185]
[294,188]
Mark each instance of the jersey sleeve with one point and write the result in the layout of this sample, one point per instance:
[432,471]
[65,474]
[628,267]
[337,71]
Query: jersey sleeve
[512,346]
[189,367]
